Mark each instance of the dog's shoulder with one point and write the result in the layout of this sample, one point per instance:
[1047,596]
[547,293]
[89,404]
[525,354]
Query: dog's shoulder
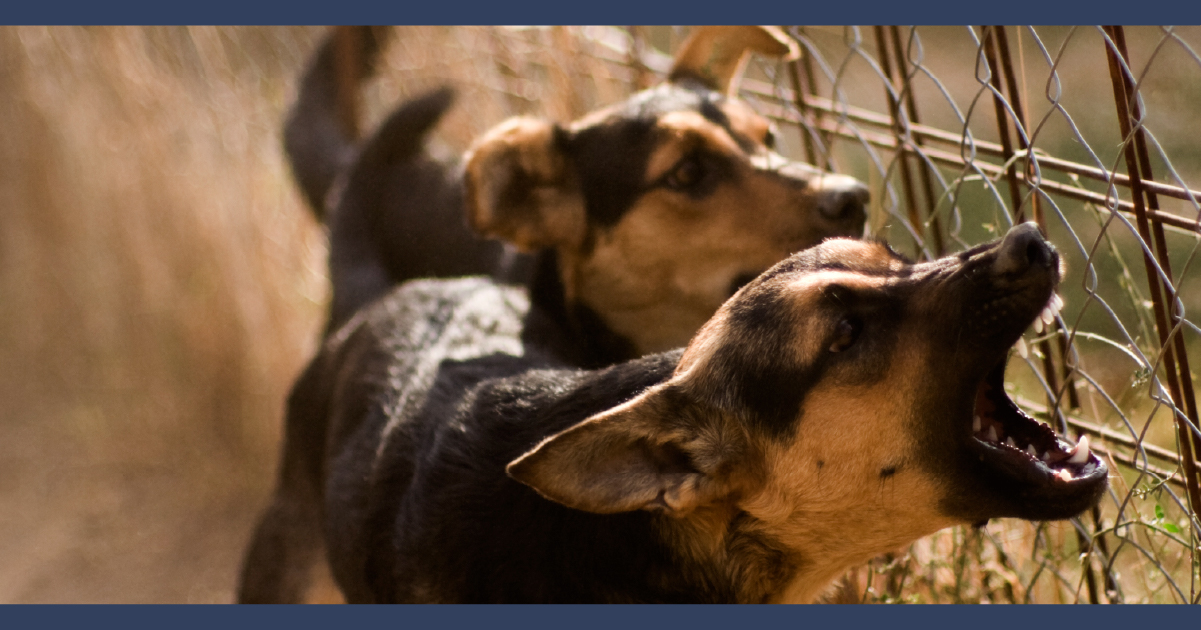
[478,416]
[455,396]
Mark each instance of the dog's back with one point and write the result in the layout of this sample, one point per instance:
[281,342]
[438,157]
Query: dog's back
[406,471]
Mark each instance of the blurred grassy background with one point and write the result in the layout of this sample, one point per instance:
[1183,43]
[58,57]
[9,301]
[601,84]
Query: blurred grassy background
[161,286]
[161,282]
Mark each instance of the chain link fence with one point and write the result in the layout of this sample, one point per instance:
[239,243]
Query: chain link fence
[962,133]
[1084,131]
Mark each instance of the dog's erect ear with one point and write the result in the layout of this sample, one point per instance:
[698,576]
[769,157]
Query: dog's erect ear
[520,188]
[716,55]
[624,459]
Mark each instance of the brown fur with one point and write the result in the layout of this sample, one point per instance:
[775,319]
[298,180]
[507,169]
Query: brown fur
[665,267]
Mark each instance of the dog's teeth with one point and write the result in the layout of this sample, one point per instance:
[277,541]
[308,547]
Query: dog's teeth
[1047,316]
[1058,301]
[1023,351]
[1010,443]
[1038,324]
[992,434]
[976,424]
[1080,453]
[1046,457]
[1064,475]
[1031,451]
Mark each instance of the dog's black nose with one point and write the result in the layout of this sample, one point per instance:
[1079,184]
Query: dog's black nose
[844,205]
[1022,248]
[843,199]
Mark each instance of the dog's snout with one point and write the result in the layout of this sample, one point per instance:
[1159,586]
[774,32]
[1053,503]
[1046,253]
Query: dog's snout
[843,198]
[1023,248]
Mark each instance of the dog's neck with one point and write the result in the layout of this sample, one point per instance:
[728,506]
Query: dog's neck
[728,555]
[570,330]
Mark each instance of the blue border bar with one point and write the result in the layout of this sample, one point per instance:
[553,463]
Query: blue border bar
[598,617]
[601,12]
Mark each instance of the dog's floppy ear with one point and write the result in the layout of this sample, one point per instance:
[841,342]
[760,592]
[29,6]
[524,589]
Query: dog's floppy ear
[624,459]
[520,188]
[716,55]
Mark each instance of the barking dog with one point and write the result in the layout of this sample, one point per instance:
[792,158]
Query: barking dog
[842,404]
[649,212]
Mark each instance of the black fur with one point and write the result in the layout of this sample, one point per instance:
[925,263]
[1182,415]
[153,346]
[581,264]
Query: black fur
[447,428]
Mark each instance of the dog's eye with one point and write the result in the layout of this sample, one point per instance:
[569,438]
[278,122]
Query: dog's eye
[686,174]
[846,332]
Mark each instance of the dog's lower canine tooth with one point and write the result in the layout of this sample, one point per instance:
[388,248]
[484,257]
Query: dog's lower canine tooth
[1080,453]
[1023,351]
[1031,451]
[1064,475]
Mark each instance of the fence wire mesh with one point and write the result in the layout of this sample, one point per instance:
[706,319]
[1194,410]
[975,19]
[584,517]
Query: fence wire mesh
[962,133]
[1079,129]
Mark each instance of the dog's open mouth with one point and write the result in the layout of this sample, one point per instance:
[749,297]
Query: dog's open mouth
[1011,442]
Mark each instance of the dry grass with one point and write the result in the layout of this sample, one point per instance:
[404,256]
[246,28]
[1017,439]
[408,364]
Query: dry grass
[162,285]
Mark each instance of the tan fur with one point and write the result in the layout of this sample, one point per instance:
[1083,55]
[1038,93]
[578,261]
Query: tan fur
[717,54]
[663,270]
[658,274]
[551,215]
[819,500]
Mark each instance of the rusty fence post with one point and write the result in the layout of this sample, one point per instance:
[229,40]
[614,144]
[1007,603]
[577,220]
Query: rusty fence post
[1167,322]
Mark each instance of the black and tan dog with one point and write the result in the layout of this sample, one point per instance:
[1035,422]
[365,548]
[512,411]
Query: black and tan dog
[842,404]
[650,212]
[646,215]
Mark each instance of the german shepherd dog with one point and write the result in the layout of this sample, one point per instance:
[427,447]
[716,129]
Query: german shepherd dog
[647,213]
[842,404]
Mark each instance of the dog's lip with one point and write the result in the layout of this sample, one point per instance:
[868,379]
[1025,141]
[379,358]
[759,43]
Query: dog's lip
[1003,437]
[1007,440]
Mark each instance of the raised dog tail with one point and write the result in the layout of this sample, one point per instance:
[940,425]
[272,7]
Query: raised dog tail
[321,132]
[399,213]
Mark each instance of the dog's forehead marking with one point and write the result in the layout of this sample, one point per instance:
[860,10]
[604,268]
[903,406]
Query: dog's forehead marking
[682,133]
[863,257]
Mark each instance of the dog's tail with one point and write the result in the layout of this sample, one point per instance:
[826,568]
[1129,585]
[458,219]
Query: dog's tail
[399,212]
[320,135]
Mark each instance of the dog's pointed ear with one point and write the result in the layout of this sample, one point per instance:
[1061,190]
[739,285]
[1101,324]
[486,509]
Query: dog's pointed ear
[624,459]
[519,186]
[717,55]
